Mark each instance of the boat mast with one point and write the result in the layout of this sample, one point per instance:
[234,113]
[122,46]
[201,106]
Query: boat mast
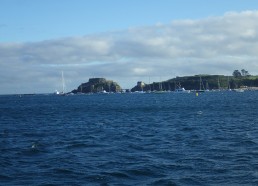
[200,83]
[63,83]
[218,84]
[207,85]
[228,83]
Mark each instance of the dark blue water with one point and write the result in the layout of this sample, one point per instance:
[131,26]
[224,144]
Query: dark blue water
[129,139]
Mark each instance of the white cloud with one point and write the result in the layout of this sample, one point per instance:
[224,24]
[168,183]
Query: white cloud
[215,45]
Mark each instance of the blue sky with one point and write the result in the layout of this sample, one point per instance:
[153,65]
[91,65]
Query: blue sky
[35,20]
[122,40]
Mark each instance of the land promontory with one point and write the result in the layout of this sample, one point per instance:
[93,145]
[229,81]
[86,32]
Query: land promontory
[198,82]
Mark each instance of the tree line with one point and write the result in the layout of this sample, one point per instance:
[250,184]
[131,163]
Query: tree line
[242,73]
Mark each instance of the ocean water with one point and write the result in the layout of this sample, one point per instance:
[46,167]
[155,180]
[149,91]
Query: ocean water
[129,139]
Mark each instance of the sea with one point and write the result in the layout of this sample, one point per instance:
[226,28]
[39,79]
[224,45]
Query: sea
[129,139]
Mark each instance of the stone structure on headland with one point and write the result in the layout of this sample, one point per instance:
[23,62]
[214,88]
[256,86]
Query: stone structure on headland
[98,85]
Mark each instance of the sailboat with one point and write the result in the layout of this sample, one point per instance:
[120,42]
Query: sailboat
[180,89]
[63,86]
[160,91]
[201,85]
[219,88]
[207,87]
[229,89]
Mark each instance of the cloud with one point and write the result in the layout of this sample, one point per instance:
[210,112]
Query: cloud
[214,45]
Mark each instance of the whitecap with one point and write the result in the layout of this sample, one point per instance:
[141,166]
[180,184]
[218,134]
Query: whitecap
[34,145]
[199,112]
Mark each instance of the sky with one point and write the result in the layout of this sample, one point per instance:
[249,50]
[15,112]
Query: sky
[122,40]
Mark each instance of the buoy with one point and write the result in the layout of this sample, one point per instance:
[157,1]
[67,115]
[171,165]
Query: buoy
[197,94]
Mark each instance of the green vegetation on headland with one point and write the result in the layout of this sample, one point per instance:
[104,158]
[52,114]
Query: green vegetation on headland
[197,82]
[239,79]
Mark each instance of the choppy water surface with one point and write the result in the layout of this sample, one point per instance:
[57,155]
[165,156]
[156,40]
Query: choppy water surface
[129,139]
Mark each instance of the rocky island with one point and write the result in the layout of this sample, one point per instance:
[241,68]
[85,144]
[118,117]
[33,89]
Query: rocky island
[98,85]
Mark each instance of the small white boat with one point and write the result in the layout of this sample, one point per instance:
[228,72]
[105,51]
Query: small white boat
[238,90]
[56,92]
[182,90]
[103,92]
